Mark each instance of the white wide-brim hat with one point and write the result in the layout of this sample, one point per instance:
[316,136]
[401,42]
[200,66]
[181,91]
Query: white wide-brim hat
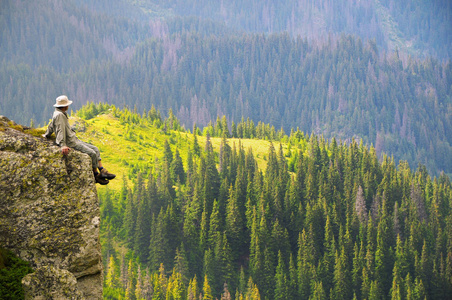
[62,101]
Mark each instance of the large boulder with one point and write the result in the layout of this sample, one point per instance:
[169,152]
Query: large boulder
[49,210]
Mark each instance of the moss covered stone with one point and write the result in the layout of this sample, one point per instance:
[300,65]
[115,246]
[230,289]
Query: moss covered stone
[49,209]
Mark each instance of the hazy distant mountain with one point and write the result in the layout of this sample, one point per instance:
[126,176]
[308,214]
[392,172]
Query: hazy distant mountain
[419,28]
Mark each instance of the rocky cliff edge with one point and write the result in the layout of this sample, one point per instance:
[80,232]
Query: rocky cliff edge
[49,215]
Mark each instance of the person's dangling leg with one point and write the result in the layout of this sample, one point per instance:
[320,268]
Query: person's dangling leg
[103,172]
[95,156]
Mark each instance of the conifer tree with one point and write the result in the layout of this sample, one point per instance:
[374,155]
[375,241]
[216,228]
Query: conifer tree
[177,169]
[419,289]
[107,209]
[139,285]
[130,215]
[211,270]
[158,242]
[181,264]
[279,240]
[396,289]
[211,179]
[111,279]
[225,159]
[225,259]
[143,229]
[241,288]
[318,292]
[252,292]
[176,287]
[383,255]
[167,153]
[130,290]
[166,188]
[196,148]
[190,170]
[267,288]
[147,286]
[226,295]
[375,291]
[409,287]
[342,280]
[172,229]
[272,170]
[311,190]
[370,250]
[123,278]
[214,226]
[281,281]
[155,203]
[358,264]
[250,164]
[254,244]
[234,224]
[192,291]
[233,130]
[192,219]
[206,290]
[203,234]
[223,195]
[425,266]
[107,245]
[366,283]
[360,206]
[304,264]
[328,257]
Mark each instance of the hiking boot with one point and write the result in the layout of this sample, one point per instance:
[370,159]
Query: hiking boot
[101,180]
[105,174]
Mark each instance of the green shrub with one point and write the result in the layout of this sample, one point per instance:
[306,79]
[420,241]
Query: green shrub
[12,270]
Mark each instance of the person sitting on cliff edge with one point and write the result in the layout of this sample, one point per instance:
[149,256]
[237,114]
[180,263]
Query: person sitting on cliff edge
[66,139]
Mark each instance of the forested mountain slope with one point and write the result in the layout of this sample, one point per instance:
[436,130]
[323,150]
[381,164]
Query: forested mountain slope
[334,224]
[340,86]
[416,27]
[419,28]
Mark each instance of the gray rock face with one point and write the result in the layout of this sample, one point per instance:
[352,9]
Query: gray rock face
[49,210]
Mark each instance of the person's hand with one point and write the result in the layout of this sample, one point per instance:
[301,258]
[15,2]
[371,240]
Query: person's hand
[65,150]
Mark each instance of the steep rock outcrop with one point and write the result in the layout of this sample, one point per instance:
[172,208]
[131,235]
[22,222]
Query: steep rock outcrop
[49,210]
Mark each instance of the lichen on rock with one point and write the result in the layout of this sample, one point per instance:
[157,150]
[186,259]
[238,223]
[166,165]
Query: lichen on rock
[48,282]
[49,210]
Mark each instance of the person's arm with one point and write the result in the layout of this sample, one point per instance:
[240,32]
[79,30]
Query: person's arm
[49,130]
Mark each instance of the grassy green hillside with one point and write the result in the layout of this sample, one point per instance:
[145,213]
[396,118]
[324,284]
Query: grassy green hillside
[129,148]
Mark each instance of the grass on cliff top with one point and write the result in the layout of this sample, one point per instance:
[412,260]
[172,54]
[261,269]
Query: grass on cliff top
[13,125]
[128,148]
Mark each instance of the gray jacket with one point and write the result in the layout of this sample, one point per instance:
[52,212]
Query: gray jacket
[63,132]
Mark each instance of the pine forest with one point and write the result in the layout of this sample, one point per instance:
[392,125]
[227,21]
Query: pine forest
[321,219]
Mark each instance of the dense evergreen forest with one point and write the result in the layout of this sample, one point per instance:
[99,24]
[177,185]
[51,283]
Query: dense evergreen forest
[323,220]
